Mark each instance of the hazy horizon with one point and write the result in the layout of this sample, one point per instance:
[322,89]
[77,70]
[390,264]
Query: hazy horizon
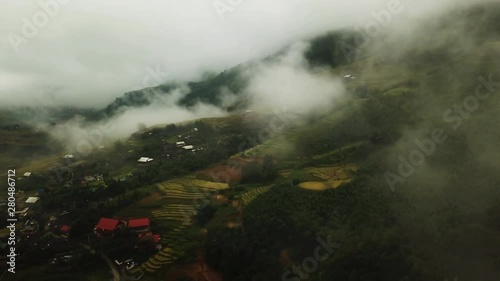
[51,55]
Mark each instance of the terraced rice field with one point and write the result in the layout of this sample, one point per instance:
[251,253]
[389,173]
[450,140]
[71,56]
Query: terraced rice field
[177,212]
[182,196]
[249,196]
[168,255]
[334,172]
[333,177]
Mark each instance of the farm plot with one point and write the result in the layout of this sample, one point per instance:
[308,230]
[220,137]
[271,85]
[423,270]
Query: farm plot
[177,212]
[334,172]
[249,196]
[169,254]
[220,173]
[332,177]
[181,197]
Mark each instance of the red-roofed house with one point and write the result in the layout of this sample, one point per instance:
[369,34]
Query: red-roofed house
[65,228]
[107,226]
[139,225]
[150,236]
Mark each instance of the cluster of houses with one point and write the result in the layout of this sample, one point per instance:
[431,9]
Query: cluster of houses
[58,226]
[183,145]
[170,148]
[23,203]
[30,227]
[107,227]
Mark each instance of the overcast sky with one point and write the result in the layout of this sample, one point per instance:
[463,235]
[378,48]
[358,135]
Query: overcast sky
[87,53]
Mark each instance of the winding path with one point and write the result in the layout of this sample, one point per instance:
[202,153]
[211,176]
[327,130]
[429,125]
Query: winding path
[116,273]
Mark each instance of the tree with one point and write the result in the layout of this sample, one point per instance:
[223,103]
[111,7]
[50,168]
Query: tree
[255,172]
[269,171]
[170,129]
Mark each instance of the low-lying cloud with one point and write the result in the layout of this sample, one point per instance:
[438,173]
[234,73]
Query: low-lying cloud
[289,82]
[81,136]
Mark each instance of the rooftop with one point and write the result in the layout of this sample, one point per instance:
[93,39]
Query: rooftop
[107,224]
[65,228]
[145,160]
[32,200]
[138,223]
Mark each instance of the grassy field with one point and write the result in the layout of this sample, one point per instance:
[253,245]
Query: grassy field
[279,146]
[26,150]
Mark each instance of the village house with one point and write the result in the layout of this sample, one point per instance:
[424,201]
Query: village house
[30,227]
[23,213]
[64,231]
[145,160]
[149,236]
[32,200]
[139,225]
[349,76]
[107,226]
[89,178]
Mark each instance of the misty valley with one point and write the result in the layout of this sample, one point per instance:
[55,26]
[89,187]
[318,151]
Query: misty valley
[333,152]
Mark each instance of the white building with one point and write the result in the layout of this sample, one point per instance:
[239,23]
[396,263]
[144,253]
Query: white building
[180,143]
[32,200]
[23,213]
[188,147]
[145,160]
